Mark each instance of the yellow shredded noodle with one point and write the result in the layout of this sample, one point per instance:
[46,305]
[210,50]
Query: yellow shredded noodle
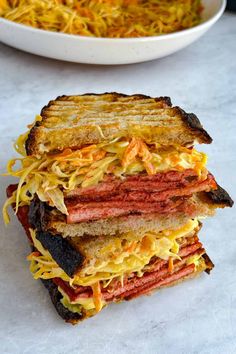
[105,18]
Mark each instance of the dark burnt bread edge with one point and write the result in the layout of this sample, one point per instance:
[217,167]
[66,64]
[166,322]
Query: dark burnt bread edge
[209,263]
[29,144]
[116,95]
[56,297]
[192,121]
[65,255]
[220,196]
[37,213]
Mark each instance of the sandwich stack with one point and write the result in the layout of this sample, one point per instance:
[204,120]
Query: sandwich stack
[111,192]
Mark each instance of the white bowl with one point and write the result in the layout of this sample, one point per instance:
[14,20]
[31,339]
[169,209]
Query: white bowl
[90,50]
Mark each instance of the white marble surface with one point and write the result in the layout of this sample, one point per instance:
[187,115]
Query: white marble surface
[196,317]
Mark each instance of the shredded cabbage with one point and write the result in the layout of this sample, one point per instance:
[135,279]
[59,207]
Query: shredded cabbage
[50,175]
[127,257]
[105,18]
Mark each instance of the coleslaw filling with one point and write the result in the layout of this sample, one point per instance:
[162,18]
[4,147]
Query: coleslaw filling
[49,175]
[115,258]
[117,261]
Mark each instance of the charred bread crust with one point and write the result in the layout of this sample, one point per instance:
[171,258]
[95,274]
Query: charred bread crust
[55,295]
[117,95]
[220,196]
[32,137]
[209,264]
[40,214]
[192,121]
[65,255]
[37,213]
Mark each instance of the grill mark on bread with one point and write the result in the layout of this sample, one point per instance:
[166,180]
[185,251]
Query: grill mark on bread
[73,121]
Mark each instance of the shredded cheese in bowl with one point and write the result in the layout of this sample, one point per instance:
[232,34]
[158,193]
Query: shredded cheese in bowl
[105,18]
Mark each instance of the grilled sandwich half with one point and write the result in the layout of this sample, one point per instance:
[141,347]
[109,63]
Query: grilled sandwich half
[110,193]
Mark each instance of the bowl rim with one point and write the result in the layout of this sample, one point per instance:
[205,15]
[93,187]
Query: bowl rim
[167,36]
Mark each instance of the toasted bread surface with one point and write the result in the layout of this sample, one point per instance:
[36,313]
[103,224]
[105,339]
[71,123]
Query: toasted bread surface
[74,121]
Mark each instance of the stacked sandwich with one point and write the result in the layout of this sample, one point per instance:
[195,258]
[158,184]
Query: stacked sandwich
[110,194]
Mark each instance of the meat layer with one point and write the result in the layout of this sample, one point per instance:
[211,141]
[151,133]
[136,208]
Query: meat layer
[161,193]
[158,182]
[157,274]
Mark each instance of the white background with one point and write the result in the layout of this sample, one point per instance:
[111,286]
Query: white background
[196,317]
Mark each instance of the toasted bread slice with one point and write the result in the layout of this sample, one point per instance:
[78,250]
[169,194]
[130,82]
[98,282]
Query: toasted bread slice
[202,204]
[74,121]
